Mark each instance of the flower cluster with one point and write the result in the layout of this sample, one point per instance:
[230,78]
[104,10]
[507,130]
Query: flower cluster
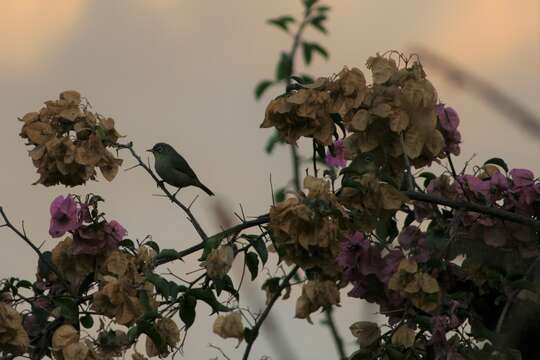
[306,228]
[91,234]
[69,142]
[307,111]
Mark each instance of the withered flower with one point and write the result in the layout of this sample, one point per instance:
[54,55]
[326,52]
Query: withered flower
[229,326]
[170,335]
[316,294]
[306,228]
[219,262]
[13,337]
[70,142]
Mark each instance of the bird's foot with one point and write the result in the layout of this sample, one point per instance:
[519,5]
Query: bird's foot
[176,192]
[160,183]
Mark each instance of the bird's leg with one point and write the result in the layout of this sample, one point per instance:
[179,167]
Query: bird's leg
[160,183]
[176,192]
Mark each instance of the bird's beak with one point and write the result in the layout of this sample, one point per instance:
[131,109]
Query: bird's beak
[150,150]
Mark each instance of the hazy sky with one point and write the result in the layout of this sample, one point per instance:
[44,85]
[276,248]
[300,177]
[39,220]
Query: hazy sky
[183,72]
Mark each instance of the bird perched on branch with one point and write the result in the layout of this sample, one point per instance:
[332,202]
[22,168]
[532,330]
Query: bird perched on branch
[174,169]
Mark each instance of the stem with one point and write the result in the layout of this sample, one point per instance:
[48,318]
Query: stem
[510,300]
[338,341]
[260,320]
[263,219]
[23,236]
[482,209]
[294,150]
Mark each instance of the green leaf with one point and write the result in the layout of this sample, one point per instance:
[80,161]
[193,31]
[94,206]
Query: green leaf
[317,23]
[319,49]
[167,255]
[211,244]
[282,22]
[187,310]
[306,79]
[307,51]
[87,321]
[428,176]
[252,262]
[225,284]
[280,195]
[261,87]
[323,8]
[393,353]
[283,70]
[361,355]
[153,334]
[68,308]
[409,219]
[274,139]
[133,333]
[258,244]
[127,243]
[309,3]
[499,162]
[153,245]
[24,284]
[208,297]
[162,285]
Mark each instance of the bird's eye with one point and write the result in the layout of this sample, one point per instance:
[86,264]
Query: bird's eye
[158,149]
[369,157]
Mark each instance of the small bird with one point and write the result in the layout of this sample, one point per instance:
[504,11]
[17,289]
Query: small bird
[174,169]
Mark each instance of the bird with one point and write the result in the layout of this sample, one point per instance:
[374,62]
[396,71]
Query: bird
[174,169]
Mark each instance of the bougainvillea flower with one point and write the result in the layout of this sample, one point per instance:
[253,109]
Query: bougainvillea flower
[337,160]
[64,216]
[115,231]
[449,122]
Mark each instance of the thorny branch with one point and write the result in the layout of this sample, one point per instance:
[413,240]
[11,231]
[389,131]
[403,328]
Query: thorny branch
[470,206]
[260,320]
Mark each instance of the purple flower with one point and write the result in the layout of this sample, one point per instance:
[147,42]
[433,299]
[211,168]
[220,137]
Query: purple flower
[90,240]
[522,177]
[357,256]
[115,231]
[64,216]
[337,160]
[448,123]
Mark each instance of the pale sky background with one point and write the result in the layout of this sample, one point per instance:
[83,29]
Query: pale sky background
[183,72]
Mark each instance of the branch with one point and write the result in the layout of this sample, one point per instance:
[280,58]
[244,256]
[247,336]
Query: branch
[160,184]
[260,320]
[263,219]
[482,209]
[23,236]
[335,334]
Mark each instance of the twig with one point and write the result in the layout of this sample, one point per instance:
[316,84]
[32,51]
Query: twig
[263,219]
[470,206]
[219,349]
[23,236]
[255,329]
[191,217]
[510,300]
[338,341]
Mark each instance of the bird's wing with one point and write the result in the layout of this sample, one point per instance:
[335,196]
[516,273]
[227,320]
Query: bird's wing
[180,164]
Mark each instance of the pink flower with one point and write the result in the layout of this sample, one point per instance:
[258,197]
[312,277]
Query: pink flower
[448,123]
[337,160]
[115,231]
[90,240]
[522,177]
[64,216]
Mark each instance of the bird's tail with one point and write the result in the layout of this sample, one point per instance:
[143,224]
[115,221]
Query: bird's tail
[205,189]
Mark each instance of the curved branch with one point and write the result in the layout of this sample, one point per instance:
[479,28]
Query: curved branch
[160,184]
[260,320]
[23,236]
[465,205]
[263,219]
